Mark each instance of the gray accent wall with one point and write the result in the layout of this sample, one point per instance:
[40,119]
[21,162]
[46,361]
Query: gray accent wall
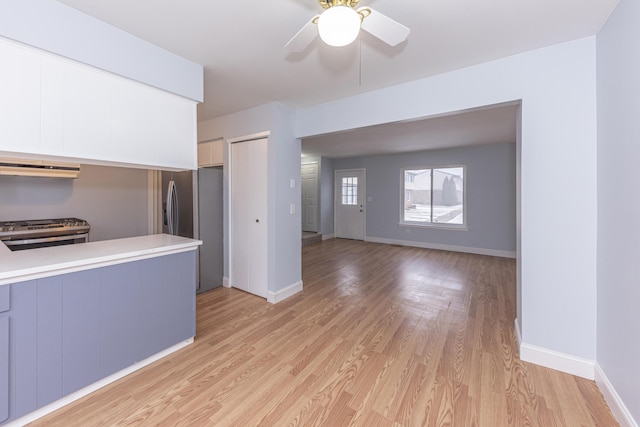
[112,200]
[618,71]
[490,198]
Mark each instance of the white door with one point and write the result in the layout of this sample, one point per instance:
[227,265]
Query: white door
[248,216]
[349,204]
[309,205]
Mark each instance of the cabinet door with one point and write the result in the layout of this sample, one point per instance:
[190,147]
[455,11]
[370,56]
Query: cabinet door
[176,131]
[4,368]
[87,114]
[120,316]
[185,285]
[23,346]
[5,302]
[127,122]
[80,330]
[159,310]
[19,99]
[49,360]
[210,153]
[52,107]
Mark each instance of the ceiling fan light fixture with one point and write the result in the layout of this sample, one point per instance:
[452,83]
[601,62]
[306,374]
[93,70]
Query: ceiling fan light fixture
[339,25]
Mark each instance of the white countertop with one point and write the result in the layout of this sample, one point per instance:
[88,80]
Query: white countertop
[32,264]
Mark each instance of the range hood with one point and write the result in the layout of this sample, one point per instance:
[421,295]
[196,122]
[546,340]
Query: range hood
[41,168]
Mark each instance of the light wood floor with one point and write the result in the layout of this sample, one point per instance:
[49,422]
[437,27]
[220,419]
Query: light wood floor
[380,336]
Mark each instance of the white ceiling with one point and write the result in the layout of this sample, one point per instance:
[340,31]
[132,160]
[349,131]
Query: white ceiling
[240,43]
[496,124]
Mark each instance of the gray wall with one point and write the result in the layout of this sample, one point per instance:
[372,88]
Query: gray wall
[618,71]
[284,231]
[491,196]
[58,28]
[113,200]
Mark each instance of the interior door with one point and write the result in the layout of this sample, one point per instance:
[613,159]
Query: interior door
[349,204]
[248,216]
[309,205]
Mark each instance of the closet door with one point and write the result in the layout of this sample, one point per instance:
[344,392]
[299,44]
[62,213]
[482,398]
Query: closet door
[248,219]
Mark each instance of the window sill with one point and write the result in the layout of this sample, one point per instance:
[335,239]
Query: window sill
[436,226]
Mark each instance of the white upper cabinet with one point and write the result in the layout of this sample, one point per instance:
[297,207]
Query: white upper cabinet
[52,106]
[19,98]
[87,114]
[211,153]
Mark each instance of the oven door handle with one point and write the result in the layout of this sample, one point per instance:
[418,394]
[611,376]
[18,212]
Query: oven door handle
[84,236]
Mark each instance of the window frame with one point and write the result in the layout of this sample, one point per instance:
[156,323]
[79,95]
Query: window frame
[439,225]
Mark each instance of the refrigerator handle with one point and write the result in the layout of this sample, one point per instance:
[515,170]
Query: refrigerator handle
[171,189]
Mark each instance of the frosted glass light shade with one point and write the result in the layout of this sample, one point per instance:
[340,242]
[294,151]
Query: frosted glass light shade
[339,25]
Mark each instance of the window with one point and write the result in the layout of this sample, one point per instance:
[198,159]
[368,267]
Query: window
[350,190]
[433,196]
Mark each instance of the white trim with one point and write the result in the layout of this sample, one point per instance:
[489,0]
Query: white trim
[225,282]
[282,294]
[442,247]
[563,362]
[328,236]
[251,137]
[518,334]
[617,406]
[41,412]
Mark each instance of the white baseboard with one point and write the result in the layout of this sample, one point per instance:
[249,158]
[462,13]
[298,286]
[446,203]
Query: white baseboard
[438,246]
[282,294]
[54,406]
[225,282]
[619,409]
[518,334]
[563,362]
[327,236]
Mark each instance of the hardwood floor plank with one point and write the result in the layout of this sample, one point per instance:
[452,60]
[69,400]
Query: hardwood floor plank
[381,336]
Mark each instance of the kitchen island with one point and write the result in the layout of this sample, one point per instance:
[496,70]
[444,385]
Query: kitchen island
[75,318]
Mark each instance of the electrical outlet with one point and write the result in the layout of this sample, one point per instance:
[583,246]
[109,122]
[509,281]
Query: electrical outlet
[293,183]
[292,209]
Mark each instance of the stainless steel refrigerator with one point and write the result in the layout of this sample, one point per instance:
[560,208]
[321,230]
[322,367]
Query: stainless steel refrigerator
[178,210]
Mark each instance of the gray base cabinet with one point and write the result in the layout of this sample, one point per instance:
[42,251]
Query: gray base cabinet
[4,368]
[62,333]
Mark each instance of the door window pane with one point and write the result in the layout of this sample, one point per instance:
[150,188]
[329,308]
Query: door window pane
[350,190]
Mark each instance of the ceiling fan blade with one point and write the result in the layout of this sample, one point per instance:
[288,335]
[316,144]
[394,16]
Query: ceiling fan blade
[384,28]
[304,37]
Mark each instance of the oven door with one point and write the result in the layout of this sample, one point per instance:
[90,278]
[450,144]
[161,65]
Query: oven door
[43,242]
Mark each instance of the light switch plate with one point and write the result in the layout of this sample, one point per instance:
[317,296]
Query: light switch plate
[292,208]
[293,183]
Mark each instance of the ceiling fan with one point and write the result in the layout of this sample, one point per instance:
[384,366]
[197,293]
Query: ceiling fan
[340,23]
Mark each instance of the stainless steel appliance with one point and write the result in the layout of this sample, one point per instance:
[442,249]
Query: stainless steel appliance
[185,194]
[177,203]
[39,233]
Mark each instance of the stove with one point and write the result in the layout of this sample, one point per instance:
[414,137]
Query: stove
[30,234]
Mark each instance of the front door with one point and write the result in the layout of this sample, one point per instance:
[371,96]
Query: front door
[349,204]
